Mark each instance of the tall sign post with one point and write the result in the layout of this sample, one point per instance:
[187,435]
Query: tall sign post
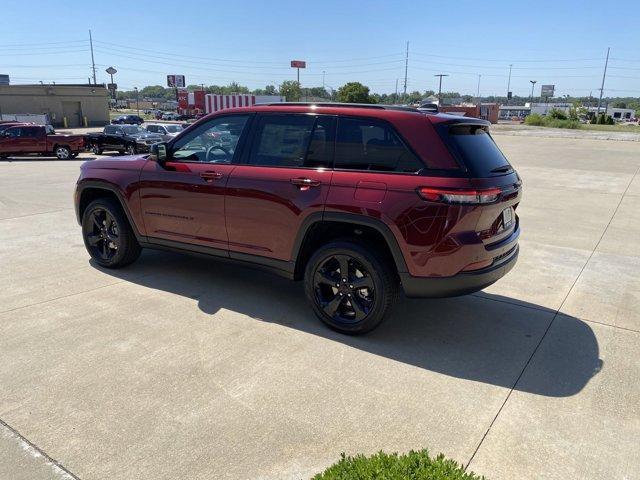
[175,82]
[298,64]
[112,86]
[546,91]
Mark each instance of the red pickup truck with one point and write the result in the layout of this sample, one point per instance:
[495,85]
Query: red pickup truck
[25,139]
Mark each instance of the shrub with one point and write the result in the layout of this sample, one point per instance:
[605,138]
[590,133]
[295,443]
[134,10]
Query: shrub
[602,119]
[573,114]
[610,120]
[534,119]
[593,120]
[383,466]
[557,123]
[557,114]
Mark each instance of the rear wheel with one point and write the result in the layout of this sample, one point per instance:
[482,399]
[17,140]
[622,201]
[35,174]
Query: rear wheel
[351,288]
[107,235]
[96,149]
[131,150]
[62,152]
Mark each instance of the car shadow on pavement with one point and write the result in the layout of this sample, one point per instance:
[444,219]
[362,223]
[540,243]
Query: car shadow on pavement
[483,337]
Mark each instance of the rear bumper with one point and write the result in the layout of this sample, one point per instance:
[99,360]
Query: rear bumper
[460,284]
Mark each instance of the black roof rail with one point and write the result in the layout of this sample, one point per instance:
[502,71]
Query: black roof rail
[343,105]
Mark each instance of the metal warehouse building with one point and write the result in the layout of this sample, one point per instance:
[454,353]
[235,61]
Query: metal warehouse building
[65,105]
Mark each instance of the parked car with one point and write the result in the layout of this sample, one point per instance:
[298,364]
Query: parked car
[170,116]
[128,120]
[165,130]
[27,138]
[131,139]
[355,201]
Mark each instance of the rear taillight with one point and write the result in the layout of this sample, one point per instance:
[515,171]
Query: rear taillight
[464,196]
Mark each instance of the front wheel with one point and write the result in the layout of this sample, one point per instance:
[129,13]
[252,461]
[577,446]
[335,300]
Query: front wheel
[62,152]
[351,288]
[107,235]
[131,150]
[96,150]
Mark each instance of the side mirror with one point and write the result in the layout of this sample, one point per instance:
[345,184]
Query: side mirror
[158,152]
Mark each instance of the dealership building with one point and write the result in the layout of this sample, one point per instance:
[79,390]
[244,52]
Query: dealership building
[64,105]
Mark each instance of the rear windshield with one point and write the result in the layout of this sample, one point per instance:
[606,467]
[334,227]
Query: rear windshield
[478,151]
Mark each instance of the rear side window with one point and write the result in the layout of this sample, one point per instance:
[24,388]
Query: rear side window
[369,145]
[293,141]
[478,151]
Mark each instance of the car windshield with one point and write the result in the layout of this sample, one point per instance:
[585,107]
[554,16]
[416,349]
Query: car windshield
[173,128]
[132,130]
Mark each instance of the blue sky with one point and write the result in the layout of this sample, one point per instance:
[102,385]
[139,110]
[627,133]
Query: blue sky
[562,43]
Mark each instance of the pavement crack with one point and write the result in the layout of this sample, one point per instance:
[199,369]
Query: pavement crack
[36,451]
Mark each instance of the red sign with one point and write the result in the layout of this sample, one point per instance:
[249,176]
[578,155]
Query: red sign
[298,64]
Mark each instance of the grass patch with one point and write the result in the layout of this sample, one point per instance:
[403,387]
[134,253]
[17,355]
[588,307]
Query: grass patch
[383,466]
[550,121]
[619,127]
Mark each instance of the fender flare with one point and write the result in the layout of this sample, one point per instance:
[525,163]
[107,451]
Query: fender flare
[103,185]
[351,219]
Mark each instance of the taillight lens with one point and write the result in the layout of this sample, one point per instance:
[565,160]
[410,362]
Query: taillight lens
[464,196]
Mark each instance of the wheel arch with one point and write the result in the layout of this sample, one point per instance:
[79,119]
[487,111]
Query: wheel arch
[323,227]
[89,191]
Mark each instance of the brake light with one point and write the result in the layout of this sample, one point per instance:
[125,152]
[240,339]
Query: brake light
[464,196]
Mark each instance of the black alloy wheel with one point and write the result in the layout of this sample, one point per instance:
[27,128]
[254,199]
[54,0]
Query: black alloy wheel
[344,289]
[351,287]
[107,234]
[103,236]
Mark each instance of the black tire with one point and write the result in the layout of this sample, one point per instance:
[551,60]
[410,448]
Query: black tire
[3,156]
[107,235]
[96,149]
[360,303]
[62,152]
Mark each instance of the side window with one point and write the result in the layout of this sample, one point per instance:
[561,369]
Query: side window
[152,129]
[30,132]
[282,140]
[109,130]
[370,145]
[119,131]
[13,132]
[213,142]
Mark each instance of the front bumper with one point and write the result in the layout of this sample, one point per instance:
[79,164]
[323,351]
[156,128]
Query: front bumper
[460,284]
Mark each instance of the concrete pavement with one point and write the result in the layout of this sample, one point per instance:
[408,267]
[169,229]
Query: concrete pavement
[180,366]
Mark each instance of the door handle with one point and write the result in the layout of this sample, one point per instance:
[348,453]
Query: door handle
[305,183]
[210,176]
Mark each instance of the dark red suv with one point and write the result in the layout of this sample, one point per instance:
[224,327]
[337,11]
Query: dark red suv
[355,200]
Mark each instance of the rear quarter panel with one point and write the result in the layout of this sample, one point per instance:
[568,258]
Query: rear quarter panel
[423,230]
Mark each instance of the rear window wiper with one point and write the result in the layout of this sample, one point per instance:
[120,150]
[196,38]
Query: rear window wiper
[502,169]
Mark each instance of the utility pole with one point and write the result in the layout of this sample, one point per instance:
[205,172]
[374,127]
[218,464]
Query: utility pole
[406,67]
[93,63]
[478,92]
[509,83]
[440,87]
[604,75]
[533,83]
[396,90]
[137,101]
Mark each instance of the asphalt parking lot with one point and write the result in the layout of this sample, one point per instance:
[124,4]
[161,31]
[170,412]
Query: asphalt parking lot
[182,367]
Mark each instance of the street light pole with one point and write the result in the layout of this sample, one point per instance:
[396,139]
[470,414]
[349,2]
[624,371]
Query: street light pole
[533,82]
[509,83]
[478,92]
[137,101]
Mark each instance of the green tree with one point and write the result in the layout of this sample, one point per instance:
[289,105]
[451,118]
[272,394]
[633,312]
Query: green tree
[354,92]
[291,90]
[270,90]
